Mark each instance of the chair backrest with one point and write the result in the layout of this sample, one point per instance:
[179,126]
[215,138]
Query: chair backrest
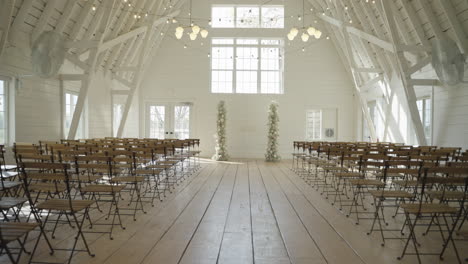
[61,169]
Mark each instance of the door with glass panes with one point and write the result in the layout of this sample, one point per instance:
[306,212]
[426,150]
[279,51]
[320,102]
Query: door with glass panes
[168,120]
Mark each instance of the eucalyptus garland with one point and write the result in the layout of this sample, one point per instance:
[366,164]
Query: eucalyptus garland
[273,133]
[220,147]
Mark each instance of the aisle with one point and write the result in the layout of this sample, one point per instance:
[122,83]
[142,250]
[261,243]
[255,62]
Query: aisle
[246,211]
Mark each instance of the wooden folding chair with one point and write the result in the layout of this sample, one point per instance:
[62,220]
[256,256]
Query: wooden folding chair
[65,206]
[102,166]
[384,194]
[436,177]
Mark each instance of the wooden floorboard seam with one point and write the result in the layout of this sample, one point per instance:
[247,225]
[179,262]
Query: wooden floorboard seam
[227,217]
[203,216]
[320,213]
[182,211]
[274,215]
[297,214]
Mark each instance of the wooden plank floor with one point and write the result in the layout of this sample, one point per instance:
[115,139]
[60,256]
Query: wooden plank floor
[246,211]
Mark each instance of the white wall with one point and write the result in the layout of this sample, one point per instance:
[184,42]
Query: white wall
[315,78]
[450,111]
[38,102]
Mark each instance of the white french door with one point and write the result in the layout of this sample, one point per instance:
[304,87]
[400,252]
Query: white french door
[168,120]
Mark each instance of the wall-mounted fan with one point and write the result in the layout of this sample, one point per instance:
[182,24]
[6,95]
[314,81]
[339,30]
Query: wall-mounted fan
[48,54]
[329,132]
[448,61]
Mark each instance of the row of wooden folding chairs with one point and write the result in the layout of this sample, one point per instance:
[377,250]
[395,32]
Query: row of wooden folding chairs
[376,174]
[80,181]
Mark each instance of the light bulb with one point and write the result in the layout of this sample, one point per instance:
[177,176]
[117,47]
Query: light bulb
[179,34]
[290,37]
[174,21]
[185,46]
[311,31]
[318,33]
[209,22]
[179,29]
[204,33]
[294,32]
[305,37]
[195,29]
[193,36]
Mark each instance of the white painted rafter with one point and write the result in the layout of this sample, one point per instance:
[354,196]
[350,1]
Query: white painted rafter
[92,60]
[44,18]
[5,22]
[459,33]
[408,83]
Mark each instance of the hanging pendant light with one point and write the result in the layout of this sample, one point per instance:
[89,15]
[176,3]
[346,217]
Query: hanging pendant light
[311,31]
[294,31]
[290,37]
[204,33]
[179,34]
[195,29]
[179,29]
[305,37]
[318,34]
[193,36]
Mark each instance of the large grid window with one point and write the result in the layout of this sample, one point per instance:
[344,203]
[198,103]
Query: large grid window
[425,113]
[250,16]
[313,124]
[3,111]
[247,65]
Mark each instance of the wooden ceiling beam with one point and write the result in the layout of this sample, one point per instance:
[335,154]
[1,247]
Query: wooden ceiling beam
[6,17]
[44,19]
[66,14]
[454,22]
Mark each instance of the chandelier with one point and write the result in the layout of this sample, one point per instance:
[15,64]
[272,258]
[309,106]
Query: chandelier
[306,32]
[179,31]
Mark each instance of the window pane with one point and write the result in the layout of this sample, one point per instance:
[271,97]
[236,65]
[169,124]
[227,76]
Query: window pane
[2,84]
[247,41]
[247,17]
[270,42]
[2,103]
[222,17]
[247,58]
[270,82]
[221,81]
[246,82]
[182,122]
[313,124]
[157,121]
[270,59]
[222,58]
[272,17]
[222,41]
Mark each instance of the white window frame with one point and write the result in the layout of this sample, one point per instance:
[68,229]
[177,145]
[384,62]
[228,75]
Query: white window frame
[115,121]
[260,17]
[234,71]
[83,119]
[423,117]
[307,127]
[7,109]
